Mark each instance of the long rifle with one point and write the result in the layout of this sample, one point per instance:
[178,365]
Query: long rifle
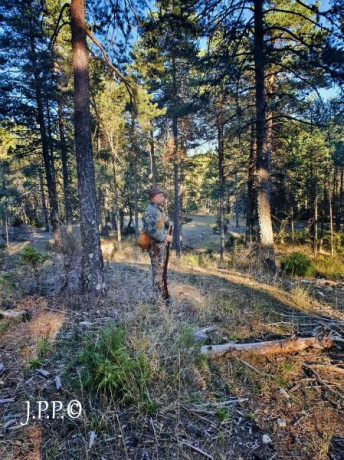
[165,291]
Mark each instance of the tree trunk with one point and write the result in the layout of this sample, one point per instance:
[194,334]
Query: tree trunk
[116,205]
[265,231]
[341,199]
[152,175]
[176,214]
[181,178]
[134,166]
[54,215]
[92,259]
[44,206]
[329,200]
[251,191]
[65,172]
[220,153]
[313,230]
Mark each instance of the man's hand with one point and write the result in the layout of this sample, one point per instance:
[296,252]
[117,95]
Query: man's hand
[169,239]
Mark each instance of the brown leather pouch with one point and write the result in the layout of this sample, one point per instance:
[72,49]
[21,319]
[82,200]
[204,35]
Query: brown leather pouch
[143,240]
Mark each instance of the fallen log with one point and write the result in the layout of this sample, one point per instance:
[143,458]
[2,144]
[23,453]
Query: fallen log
[19,315]
[283,346]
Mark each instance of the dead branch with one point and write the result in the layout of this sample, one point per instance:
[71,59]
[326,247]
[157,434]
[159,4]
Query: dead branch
[328,368]
[283,346]
[324,384]
[197,449]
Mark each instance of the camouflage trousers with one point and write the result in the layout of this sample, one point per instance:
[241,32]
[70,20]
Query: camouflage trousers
[157,252]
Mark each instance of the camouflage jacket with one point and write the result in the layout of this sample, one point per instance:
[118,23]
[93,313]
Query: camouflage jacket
[154,220]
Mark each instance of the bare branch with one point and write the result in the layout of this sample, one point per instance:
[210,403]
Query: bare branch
[57,28]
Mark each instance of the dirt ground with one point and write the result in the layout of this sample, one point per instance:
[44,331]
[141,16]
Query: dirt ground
[240,407]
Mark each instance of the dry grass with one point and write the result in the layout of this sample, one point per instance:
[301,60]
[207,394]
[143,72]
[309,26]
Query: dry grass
[190,399]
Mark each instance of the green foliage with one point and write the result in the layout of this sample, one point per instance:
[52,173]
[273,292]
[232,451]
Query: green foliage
[33,258]
[43,346]
[234,241]
[203,260]
[297,263]
[4,325]
[329,267]
[34,363]
[222,414]
[184,339]
[110,366]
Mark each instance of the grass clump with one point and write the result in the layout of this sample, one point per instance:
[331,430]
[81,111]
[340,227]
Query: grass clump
[297,263]
[300,297]
[43,346]
[110,367]
[4,325]
[329,267]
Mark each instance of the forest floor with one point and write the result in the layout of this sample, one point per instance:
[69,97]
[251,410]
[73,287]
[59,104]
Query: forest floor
[253,407]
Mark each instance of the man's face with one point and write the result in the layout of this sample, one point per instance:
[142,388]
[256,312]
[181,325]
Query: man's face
[158,198]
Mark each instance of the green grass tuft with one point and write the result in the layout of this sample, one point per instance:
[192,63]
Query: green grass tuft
[110,367]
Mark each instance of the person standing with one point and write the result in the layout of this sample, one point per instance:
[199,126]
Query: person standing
[155,224]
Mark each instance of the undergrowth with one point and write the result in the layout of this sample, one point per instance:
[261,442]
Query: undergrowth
[111,367]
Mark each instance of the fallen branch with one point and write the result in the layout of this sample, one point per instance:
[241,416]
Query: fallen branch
[21,315]
[283,346]
[197,449]
[328,368]
[245,363]
[324,384]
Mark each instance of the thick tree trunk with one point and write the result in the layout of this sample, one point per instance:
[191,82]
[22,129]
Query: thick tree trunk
[92,259]
[65,172]
[265,231]
[54,214]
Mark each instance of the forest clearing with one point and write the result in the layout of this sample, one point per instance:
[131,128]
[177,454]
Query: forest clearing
[246,406]
[171,229]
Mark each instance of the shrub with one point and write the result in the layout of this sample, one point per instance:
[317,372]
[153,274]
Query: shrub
[33,258]
[297,263]
[109,367]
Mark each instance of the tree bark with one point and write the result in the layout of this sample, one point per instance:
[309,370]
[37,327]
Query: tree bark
[152,175]
[42,193]
[176,215]
[181,178]
[134,166]
[65,172]
[116,198]
[54,215]
[251,191]
[341,199]
[283,346]
[92,259]
[220,153]
[265,231]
